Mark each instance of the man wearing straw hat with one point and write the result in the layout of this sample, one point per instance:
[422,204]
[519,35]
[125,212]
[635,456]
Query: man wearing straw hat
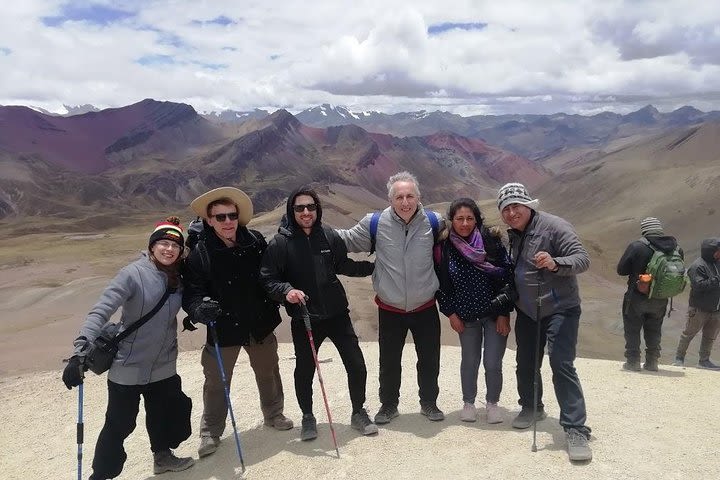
[224,266]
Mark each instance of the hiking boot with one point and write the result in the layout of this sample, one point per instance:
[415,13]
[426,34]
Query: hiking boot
[651,364]
[361,422]
[385,414]
[308,430]
[468,413]
[678,362]
[165,461]
[525,418]
[208,445]
[432,412]
[493,413]
[632,365]
[578,448]
[279,422]
[708,364]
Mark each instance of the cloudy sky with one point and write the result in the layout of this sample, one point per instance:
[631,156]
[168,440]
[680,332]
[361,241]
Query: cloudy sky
[465,56]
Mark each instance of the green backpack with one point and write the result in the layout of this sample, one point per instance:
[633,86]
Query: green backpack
[668,272]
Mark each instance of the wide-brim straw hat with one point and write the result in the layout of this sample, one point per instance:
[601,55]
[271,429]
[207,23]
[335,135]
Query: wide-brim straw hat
[238,197]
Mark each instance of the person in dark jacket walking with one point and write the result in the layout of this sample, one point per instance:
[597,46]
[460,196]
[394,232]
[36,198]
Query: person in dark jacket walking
[547,256]
[146,362]
[225,267]
[474,267]
[301,265]
[640,312]
[704,304]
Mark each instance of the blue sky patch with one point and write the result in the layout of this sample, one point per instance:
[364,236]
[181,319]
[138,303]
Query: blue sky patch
[94,14]
[5,51]
[211,66]
[439,28]
[152,60]
[221,20]
[274,56]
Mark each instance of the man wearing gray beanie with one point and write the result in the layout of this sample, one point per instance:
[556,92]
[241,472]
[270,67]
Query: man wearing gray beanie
[546,251]
[641,313]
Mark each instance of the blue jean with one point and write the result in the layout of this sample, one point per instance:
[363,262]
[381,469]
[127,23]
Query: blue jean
[560,332]
[471,343]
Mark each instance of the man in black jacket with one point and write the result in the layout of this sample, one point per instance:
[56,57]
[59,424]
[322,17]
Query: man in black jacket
[704,304]
[640,312]
[301,265]
[224,266]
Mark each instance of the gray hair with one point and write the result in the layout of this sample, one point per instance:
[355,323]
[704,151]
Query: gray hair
[403,176]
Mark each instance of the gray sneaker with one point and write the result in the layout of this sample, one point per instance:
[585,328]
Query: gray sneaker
[361,422]
[678,362]
[165,461]
[432,412]
[525,418]
[208,446]
[308,431]
[632,365]
[279,422]
[651,364]
[708,364]
[385,414]
[578,448]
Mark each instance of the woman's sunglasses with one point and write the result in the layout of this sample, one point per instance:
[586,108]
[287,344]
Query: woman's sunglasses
[300,208]
[220,217]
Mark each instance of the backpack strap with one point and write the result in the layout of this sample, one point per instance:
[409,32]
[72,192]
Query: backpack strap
[204,256]
[374,220]
[434,223]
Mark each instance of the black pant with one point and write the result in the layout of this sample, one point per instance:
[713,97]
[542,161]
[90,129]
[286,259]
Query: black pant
[425,329]
[642,313]
[340,331]
[167,419]
[560,332]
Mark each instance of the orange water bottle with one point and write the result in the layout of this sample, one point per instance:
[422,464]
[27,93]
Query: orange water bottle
[643,283]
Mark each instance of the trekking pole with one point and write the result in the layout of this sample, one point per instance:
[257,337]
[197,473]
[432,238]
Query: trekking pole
[213,331]
[308,328]
[80,429]
[536,381]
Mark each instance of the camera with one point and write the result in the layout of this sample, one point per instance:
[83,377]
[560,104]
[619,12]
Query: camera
[505,299]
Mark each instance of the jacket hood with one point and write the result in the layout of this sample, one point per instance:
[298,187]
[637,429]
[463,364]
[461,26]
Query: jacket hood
[664,243]
[708,248]
[289,224]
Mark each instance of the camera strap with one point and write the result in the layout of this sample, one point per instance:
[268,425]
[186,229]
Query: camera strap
[143,319]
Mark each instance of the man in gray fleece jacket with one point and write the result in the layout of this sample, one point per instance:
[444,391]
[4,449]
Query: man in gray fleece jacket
[546,251]
[405,284]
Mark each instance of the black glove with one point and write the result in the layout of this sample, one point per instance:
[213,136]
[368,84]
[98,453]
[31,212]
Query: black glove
[73,373]
[208,311]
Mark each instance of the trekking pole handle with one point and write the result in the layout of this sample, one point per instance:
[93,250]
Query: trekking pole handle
[305,313]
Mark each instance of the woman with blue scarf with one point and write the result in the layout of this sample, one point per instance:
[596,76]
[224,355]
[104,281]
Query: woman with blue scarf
[473,267]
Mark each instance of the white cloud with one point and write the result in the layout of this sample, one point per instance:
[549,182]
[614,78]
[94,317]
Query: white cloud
[504,56]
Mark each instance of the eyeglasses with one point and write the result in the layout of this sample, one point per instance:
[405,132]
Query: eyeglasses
[167,244]
[220,217]
[310,206]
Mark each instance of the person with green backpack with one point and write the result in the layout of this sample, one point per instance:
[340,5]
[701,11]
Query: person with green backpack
[656,272]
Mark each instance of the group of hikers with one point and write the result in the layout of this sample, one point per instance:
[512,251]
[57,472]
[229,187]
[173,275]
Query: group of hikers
[233,281]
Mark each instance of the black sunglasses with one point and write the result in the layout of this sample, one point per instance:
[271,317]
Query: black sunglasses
[300,208]
[220,217]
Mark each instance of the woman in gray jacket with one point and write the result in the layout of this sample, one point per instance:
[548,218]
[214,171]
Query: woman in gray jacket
[145,363]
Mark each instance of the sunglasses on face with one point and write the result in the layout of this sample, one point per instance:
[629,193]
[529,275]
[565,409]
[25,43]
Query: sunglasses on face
[311,207]
[220,217]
